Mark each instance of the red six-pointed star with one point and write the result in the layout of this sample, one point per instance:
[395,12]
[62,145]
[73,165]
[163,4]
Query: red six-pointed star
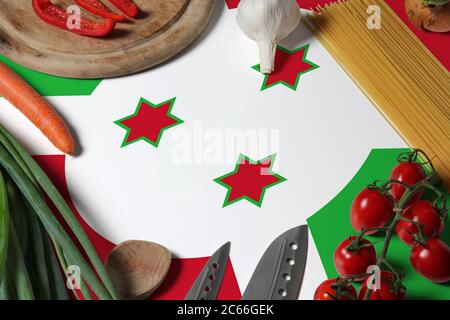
[249,180]
[289,66]
[148,122]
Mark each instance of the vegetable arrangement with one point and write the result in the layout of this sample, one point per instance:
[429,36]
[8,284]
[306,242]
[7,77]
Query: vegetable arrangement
[34,245]
[36,109]
[392,207]
[59,17]
[430,15]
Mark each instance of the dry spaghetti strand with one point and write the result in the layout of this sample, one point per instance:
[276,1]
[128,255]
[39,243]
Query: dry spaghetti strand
[409,86]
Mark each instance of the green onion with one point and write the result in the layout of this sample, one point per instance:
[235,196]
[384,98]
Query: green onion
[56,281]
[16,264]
[7,289]
[50,222]
[28,189]
[4,226]
[83,287]
[17,212]
[36,258]
[64,265]
[8,146]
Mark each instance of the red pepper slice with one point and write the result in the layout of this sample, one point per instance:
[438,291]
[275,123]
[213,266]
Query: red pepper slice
[98,8]
[58,17]
[128,7]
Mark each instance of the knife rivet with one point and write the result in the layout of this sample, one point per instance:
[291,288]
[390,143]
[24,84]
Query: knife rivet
[207,289]
[215,266]
[211,277]
[293,246]
[287,277]
[282,292]
[290,261]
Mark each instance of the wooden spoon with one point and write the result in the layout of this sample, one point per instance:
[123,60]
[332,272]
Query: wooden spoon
[137,268]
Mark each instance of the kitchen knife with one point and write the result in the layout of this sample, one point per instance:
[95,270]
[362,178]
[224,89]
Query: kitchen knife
[279,274]
[208,282]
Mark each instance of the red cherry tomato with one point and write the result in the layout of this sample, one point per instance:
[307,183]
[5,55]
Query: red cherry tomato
[327,287]
[386,291]
[409,173]
[432,260]
[348,262]
[370,208]
[423,212]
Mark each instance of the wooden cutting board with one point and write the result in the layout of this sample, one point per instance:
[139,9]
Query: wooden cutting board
[162,29]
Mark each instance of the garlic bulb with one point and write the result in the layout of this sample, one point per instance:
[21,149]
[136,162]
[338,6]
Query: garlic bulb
[267,22]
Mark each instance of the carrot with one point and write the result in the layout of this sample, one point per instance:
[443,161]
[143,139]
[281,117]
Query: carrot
[14,89]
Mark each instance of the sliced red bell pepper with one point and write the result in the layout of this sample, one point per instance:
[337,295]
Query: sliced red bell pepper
[128,7]
[98,8]
[58,17]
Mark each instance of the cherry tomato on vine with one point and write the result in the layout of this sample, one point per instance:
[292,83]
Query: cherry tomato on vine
[352,261]
[327,291]
[370,208]
[409,173]
[432,260]
[388,289]
[423,212]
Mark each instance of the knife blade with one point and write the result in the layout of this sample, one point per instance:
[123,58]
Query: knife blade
[208,282]
[279,273]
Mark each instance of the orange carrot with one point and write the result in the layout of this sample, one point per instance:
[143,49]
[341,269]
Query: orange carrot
[14,89]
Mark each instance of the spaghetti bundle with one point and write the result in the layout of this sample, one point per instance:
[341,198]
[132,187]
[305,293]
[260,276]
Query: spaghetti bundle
[395,70]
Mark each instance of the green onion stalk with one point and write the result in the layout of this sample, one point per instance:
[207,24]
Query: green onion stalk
[31,256]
